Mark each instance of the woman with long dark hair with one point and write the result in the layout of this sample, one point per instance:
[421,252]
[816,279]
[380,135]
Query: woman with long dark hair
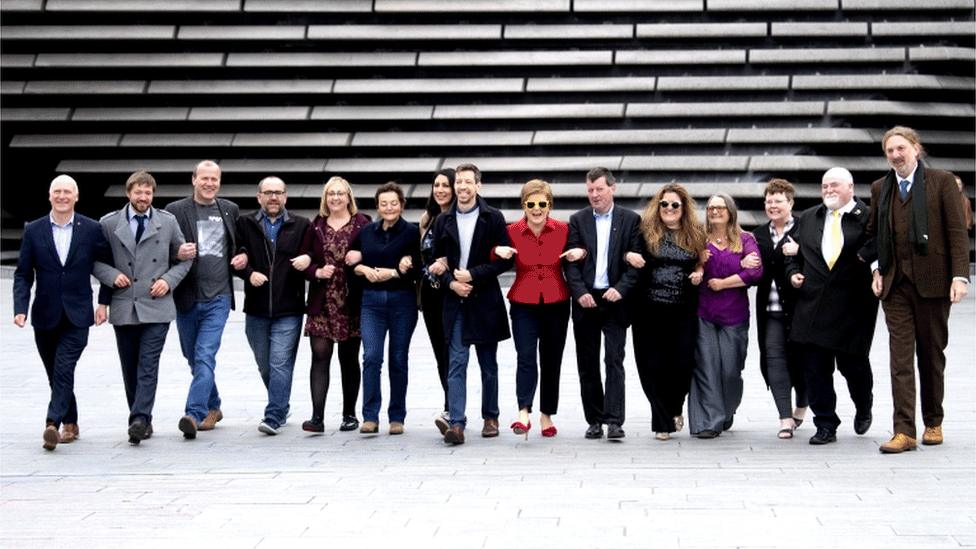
[431,291]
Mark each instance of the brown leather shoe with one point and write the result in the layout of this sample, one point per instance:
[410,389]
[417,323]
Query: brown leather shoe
[69,433]
[490,429]
[188,426]
[396,428]
[51,437]
[898,444]
[932,436]
[209,422]
[454,435]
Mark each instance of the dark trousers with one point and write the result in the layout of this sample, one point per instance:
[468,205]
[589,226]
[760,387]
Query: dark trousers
[348,370]
[432,302]
[541,329]
[782,367]
[818,367]
[664,349]
[60,348]
[607,319]
[916,326]
[139,348]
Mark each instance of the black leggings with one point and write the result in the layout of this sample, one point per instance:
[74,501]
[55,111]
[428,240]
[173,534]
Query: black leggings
[348,367]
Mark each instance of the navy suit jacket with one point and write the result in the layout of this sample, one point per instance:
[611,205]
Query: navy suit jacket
[60,288]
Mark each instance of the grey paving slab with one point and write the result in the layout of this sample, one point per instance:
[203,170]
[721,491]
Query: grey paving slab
[84,87]
[538,164]
[826,55]
[598,137]
[549,110]
[832,28]
[87,32]
[296,139]
[10,60]
[515,58]
[900,108]
[378,112]
[404,32]
[241,32]
[312,6]
[649,6]
[727,108]
[130,113]
[240,86]
[143,5]
[941,54]
[421,139]
[685,57]
[698,83]
[249,113]
[469,6]
[923,28]
[12,87]
[381,59]
[624,83]
[702,30]
[238,488]
[905,4]
[176,140]
[22,5]
[34,114]
[772,5]
[429,85]
[129,60]
[567,32]
[65,140]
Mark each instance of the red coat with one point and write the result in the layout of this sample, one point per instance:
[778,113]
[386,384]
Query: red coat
[538,269]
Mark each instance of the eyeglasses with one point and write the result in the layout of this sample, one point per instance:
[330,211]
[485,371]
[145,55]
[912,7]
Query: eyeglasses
[335,194]
[717,208]
[542,205]
[673,205]
[269,194]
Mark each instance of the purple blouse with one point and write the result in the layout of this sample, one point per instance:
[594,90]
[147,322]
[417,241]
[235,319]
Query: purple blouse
[731,306]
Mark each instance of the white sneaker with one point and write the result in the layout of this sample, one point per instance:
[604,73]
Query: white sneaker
[267,428]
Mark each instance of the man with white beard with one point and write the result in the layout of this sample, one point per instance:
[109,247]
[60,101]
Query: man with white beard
[833,322]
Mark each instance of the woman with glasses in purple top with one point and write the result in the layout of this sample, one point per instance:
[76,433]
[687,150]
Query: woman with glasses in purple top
[732,265]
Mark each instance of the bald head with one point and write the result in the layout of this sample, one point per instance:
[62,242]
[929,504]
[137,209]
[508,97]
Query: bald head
[64,181]
[63,194]
[837,188]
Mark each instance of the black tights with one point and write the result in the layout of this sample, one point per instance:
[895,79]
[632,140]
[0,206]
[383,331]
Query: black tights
[349,370]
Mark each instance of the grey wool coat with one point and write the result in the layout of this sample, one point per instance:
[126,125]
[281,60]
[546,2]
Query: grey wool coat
[152,258]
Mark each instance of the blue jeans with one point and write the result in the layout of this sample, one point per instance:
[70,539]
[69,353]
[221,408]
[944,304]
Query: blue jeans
[274,342]
[200,330]
[457,375]
[393,312]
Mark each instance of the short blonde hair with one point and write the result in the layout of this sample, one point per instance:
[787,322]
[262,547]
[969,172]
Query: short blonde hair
[333,182]
[536,186]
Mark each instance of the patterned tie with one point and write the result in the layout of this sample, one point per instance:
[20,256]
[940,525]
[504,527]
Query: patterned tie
[836,239]
[141,220]
[903,189]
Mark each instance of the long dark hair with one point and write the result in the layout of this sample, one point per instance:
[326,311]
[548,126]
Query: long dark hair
[432,209]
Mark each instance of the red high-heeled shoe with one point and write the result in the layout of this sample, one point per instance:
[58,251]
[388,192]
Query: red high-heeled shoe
[549,431]
[520,428]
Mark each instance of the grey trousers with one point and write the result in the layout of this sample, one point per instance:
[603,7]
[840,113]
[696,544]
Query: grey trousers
[716,386]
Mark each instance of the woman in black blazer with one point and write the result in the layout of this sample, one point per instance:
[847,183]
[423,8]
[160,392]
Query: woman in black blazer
[774,307]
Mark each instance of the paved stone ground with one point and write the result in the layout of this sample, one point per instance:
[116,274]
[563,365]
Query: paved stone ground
[235,487]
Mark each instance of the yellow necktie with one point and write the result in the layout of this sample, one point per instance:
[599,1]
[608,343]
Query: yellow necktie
[836,239]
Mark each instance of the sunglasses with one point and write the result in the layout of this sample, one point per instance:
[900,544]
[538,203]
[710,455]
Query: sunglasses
[542,205]
[673,205]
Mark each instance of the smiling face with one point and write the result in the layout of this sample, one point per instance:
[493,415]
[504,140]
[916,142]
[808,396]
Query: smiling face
[337,199]
[778,207]
[63,194]
[671,215]
[600,194]
[718,211]
[535,213]
[388,206]
[902,154]
[443,190]
[140,198]
[466,189]
[836,192]
[206,182]
[272,196]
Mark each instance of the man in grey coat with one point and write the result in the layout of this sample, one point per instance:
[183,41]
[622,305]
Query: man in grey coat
[138,293]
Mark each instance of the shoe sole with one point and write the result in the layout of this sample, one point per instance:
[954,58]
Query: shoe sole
[594,437]
[313,429]
[267,429]
[51,439]
[616,437]
[442,425]
[187,428]
[896,451]
[137,434]
[823,442]
[451,439]
[931,442]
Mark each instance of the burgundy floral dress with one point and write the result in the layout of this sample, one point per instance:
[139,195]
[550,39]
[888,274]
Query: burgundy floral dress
[328,313]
